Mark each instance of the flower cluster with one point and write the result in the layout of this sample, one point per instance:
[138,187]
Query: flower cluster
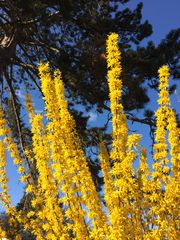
[138,203]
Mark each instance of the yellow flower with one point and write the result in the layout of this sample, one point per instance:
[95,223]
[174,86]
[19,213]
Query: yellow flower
[164,78]
[29,188]
[21,169]
[30,214]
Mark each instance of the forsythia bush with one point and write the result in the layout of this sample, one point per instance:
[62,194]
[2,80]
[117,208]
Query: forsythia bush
[139,204]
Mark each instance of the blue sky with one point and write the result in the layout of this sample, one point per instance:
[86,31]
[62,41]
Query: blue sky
[164,16]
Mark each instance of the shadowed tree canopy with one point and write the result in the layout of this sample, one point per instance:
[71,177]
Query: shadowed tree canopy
[71,36]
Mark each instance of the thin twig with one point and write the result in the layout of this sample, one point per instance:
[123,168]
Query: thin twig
[17,118]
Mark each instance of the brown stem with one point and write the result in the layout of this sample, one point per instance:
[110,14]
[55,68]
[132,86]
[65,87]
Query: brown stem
[14,103]
[135,119]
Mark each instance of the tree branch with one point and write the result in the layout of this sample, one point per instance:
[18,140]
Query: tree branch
[132,118]
[38,43]
[17,118]
[29,68]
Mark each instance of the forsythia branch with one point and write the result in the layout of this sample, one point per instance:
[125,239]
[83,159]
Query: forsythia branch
[139,203]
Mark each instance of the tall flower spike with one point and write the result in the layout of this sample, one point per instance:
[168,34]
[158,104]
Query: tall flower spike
[161,160]
[67,168]
[119,122]
[3,178]
[59,155]
[12,147]
[77,163]
[122,154]
[169,115]
[35,218]
[4,195]
[46,182]
[173,186]
[160,148]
